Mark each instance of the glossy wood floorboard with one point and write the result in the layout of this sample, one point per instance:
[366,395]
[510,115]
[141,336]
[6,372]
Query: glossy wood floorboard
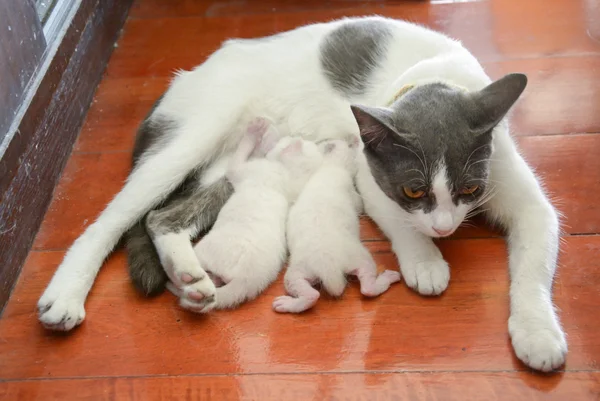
[400,346]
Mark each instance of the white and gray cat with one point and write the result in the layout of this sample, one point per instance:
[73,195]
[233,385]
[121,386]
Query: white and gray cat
[323,235]
[437,146]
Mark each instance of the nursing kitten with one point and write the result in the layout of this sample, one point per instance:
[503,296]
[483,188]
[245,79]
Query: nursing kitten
[323,235]
[437,147]
[246,248]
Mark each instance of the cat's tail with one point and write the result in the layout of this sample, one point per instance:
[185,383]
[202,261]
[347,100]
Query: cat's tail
[145,270]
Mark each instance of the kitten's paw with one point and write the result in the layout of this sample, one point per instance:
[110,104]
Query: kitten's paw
[392,276]
[258,126]
[287,304]
[428,277]
[540,344]
[381,284]
[60,310]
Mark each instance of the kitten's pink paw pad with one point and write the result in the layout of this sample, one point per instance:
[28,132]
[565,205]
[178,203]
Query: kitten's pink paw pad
[258,126]
[392,276]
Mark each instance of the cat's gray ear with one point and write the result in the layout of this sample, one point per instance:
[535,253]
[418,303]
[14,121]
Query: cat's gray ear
[495,100]
[375,125]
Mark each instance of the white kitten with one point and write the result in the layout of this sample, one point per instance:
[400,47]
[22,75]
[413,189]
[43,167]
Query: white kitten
[323,235]
[246,248]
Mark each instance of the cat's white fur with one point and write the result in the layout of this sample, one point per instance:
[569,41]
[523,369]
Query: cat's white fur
[282,78]
[446,217]
[323,235]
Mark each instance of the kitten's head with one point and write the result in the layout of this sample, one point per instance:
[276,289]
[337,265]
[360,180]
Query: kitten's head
[300,157]
[430,151]
[341,153]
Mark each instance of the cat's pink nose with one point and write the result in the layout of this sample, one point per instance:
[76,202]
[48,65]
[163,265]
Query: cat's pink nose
[443,233]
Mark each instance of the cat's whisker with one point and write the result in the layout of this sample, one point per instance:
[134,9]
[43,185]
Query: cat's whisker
[423,153]
[414,153]
[420,172]
[466,166]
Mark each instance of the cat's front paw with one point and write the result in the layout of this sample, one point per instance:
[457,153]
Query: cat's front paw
[199,296]
[538,343]
[427,277]
[60,310]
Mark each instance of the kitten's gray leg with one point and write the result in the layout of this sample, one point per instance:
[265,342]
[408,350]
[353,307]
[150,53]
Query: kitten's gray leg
[533,237]
[172,229]
[421,263]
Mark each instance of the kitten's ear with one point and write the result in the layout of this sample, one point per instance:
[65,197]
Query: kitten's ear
[375,128]
[495,100]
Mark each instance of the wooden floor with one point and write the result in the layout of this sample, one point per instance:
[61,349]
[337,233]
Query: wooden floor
[400,346]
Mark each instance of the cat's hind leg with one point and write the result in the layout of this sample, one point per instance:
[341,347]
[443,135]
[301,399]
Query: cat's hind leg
[61,306]
[302,294]
[173,227]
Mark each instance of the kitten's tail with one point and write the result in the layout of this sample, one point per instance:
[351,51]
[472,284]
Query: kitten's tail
[236,292]
[145,270]
[333,281]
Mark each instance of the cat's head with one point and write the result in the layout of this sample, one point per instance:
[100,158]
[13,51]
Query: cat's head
[430,150]
[341,152]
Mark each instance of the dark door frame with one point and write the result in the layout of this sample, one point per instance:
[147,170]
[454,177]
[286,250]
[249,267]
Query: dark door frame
[42,134]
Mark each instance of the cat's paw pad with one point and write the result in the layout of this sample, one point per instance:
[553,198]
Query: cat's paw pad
[541,346]
[188,279]
[429,277]
[206,305]
[198,291]
[60,312]
[199,296]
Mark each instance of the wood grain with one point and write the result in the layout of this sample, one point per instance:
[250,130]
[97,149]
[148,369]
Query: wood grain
[452,386]
[399,346]
[464,329]
[148,51]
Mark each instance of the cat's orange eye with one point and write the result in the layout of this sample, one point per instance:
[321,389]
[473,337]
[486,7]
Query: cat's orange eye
[413,194]
[470,190]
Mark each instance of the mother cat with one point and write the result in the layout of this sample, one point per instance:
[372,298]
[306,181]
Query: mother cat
[437,146]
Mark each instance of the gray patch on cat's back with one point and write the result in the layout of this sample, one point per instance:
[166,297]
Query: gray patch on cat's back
[350,53]
[152,130]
